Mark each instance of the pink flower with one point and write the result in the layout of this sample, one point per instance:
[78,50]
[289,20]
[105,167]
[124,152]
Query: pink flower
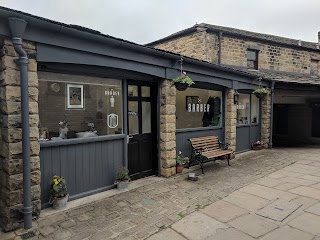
[180,152]
[184,73]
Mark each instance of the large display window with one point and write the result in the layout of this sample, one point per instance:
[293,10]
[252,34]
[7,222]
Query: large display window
[74,106]
[247,109]
[198,108]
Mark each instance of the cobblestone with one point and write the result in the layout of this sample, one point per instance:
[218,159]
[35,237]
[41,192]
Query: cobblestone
[139,213]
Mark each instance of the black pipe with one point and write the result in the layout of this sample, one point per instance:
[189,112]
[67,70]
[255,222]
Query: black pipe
[271,113]
[17,27]
[125,121]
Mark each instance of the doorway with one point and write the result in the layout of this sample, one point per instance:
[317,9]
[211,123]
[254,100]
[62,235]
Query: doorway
[142,129]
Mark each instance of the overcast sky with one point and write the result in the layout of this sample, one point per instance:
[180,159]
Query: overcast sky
[143,21]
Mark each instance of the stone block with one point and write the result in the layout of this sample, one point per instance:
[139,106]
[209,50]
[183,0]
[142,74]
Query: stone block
[8,62]
[14,166]
[11,198]
[252,225]
[168,110]
[34,148]
[168,163]
[168,172]
[15,120]
[12,77]
[32,66]
[164,137]
[164,119]
[168,128]
[165,146]
[15,134]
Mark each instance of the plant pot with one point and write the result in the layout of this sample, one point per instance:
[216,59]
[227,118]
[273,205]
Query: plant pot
[181,86]
[260,95]
[179,168]
[60,203]
[257,147]
[122,185]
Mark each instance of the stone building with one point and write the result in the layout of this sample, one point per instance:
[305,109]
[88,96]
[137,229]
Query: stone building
[97,103]
[293,65]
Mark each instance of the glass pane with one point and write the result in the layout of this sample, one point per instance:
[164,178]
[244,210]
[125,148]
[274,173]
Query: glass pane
[75,106]
[145,91]
[198,108]
[243,109]
[254,109]
[146,117]
[252,55]
[133,117]
[132,91]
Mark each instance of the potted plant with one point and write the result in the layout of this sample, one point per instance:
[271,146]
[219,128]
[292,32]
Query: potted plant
[59,194]
[182,82]
[258,145]
[122,178]
[261,92]
[181,160]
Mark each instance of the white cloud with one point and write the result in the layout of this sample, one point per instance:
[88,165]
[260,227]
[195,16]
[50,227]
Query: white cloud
[143,21]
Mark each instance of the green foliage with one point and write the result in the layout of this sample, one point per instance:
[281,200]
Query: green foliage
[261,92]
[58,187]
[181,160]
[183,79]
[122,174]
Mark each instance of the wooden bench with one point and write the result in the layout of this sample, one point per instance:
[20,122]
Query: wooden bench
[208,148]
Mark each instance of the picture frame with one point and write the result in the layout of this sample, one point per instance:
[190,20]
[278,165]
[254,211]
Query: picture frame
[191,100]
[75,96]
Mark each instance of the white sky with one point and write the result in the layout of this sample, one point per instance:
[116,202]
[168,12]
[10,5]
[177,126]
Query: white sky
[143,21]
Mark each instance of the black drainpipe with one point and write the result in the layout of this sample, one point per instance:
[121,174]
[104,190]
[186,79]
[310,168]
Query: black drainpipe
[271,113]
[220,47]
[17,27]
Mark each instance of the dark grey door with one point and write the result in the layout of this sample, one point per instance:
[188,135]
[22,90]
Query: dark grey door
[142,129]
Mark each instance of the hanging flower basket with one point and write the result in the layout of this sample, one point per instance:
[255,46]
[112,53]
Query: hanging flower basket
[182,82]
[261,92]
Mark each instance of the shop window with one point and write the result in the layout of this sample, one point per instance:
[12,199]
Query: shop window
[73,106]
[255,106]
[252,59]
[198,108]
[243,109]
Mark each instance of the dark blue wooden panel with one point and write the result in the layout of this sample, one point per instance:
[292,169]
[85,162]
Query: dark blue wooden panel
[183,136]
[88,167]
[243,139]
[255,133]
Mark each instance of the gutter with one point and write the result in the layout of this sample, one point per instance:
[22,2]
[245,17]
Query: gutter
[271,113]
[17,28]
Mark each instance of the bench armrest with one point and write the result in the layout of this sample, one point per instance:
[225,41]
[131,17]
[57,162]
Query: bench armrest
[224,146]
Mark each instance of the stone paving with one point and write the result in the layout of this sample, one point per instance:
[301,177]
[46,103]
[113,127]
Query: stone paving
[267,194]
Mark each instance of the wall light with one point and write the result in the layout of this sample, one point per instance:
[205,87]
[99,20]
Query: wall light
[236,96]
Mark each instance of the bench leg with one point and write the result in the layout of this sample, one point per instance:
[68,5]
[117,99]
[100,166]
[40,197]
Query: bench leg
[228,158]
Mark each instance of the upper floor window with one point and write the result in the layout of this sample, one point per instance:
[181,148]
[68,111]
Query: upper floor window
[252,59]
[314,67]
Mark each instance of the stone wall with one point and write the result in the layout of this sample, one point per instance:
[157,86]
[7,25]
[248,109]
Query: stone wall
[11,177]
[168,129]
[231,120]
[265,119]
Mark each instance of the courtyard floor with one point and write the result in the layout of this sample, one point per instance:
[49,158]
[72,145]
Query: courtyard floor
[267,194]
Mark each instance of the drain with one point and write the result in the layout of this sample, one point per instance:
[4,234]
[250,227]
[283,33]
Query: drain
[28,235]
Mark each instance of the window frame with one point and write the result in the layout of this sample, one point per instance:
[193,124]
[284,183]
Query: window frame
[254,60]
[250,112]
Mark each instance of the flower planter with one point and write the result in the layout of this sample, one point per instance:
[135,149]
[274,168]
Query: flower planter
[179,168]
[122,185]
[181,86]
[257,147]
[60,203]
[260,95]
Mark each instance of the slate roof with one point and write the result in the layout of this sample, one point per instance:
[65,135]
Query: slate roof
[240,33]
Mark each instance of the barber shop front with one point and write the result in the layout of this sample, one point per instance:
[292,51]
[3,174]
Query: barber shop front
[98,103]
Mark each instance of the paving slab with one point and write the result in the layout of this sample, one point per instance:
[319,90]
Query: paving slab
[298,180]
[267,193]
[315,209]
[246,201]
[231,234]
[308,223]
[269,182]
[253,225]
[223,211]
[166,234]
[198,226]
[296,169]
[307,191]
[286,186]
[317,186]
[287,233]
[278,210]
[311,178]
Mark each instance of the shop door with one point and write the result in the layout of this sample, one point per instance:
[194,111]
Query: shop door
[142,129]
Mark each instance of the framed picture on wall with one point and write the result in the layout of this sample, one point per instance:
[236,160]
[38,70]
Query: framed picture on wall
[75,96]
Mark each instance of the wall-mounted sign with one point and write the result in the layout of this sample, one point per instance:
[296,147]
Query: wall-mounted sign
[198,107]
[111,93]
[112,120]
[132,113]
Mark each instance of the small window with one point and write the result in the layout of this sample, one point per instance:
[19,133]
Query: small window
[314,67]
[252,59]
